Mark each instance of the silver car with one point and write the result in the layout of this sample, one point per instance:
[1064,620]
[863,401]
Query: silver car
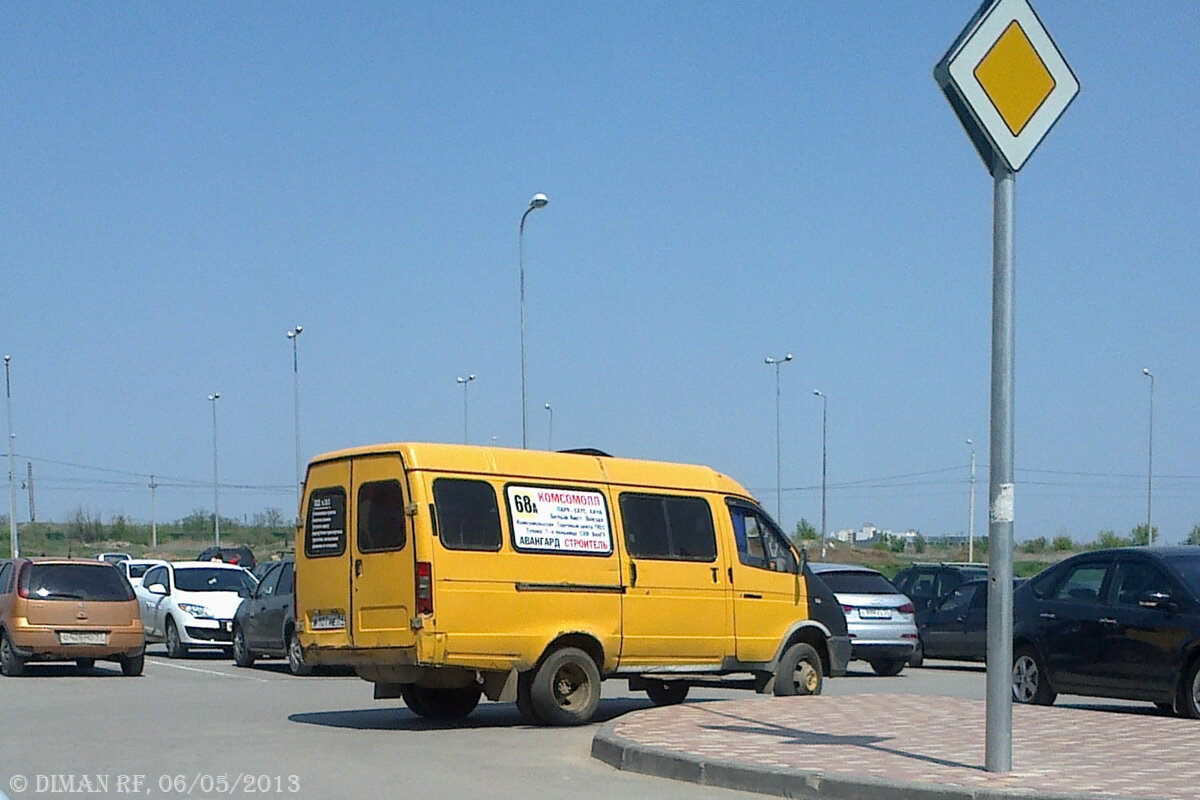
[882,622]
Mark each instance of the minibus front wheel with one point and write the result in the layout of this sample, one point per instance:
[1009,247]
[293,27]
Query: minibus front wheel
[566,688]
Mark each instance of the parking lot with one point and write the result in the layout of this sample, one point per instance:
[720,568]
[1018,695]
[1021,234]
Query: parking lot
[186,723]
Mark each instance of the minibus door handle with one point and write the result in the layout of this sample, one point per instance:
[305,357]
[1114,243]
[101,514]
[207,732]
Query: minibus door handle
[632,573]
[358,567]
[714,572]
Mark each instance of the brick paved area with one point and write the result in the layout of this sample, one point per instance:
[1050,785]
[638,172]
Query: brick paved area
[908,742]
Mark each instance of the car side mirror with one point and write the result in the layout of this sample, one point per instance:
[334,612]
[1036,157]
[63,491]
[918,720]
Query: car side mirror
[157,588]
[1157,600]
[245,592]
[802,562]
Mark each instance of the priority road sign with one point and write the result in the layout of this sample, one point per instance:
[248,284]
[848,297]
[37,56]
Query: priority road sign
[1007,82]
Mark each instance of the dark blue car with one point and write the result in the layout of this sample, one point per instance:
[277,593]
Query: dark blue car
[955,627]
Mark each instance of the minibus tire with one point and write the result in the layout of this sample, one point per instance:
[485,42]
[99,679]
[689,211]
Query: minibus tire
[799,671]
[524,701]
[442,704]
[665,693]
[566,688]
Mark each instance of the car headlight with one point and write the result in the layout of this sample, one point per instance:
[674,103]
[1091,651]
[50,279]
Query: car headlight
[199,612]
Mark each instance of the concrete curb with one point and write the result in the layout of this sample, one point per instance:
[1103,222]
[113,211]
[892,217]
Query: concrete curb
[626,754]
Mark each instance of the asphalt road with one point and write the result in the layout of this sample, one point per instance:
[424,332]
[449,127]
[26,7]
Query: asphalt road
[325,737]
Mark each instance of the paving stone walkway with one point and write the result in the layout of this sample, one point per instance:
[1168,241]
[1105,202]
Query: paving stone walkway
[910,746]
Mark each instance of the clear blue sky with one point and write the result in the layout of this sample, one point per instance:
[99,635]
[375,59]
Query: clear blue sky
[184,183]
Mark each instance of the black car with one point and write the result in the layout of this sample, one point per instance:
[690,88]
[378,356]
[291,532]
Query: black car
[926,584]
[1112,623]
[241,555]
[956,626]
[265,622]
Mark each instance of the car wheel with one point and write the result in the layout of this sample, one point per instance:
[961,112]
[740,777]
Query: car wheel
[175,646]
[887,667]
[1188,704]
[799,671]
[11,664]
[440,704]
[566,688]
[85,663]
[665,693]
[131,666]
[241,653]
[918,657]
[295,657]
[1030,683]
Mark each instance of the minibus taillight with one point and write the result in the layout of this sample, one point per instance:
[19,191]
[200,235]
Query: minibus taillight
[424,587]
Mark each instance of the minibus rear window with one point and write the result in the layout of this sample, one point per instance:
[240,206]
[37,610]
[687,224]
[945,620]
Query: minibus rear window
[661,526]
[380,517]
[468,517]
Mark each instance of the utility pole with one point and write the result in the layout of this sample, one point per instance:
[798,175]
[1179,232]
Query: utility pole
[14,549]
[29,486]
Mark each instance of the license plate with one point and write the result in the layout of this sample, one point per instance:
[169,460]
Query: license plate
[875,613]
[69,637]
[328,622]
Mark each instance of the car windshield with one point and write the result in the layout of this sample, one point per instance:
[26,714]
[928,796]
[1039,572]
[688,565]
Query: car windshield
[857,582]
[212,579]
[138,570]
[74,582]
[1188,568]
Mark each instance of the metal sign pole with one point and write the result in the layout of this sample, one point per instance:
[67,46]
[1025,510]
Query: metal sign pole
[998,755]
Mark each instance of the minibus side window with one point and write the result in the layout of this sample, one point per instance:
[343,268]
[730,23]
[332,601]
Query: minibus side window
[380,517]
[468,517]
[665,527]
[759,543]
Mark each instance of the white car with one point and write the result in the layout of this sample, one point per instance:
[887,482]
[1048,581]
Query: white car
[135,568]
[191,603]
[882,623]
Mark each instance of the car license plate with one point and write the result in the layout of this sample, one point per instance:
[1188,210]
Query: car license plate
[875,613]
[328,622]
[70,637]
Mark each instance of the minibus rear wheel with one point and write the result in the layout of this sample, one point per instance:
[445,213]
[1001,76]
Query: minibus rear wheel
[665,693]
[566,688]
[443,704]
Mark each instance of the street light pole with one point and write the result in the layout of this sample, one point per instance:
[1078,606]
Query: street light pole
[212,398]
[464,382]
[550,434]
[971,509]
[153,515]
[1150,466]
[537,201]
[294,334]
[824,463]
[777,363]
[12,492]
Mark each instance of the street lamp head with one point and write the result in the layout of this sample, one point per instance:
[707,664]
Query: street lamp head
[970,442]
[298,329]
[818,393]
[547,406]
[768,360]
[1144,371]
[788,357]
[214,396]
[539,200]
[291,334]
[7,359]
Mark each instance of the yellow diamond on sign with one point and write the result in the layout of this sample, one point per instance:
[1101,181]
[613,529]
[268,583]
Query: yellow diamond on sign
[1014,78]
[1006,81]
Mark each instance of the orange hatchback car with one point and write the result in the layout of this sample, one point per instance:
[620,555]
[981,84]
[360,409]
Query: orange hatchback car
[63,610]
